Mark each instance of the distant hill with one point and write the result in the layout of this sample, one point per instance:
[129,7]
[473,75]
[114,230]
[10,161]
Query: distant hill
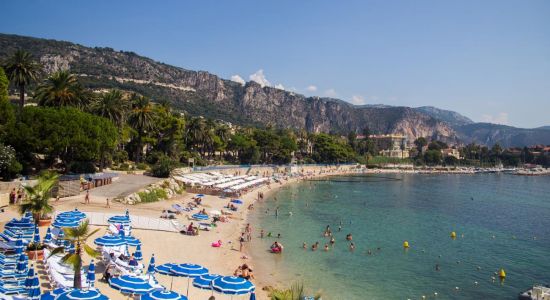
[450,117]
[200,93]
[544,127]
[506,136]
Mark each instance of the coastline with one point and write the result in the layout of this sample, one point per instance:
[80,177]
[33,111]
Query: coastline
[174,247]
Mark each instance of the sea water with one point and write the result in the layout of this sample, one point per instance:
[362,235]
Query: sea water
[501,221]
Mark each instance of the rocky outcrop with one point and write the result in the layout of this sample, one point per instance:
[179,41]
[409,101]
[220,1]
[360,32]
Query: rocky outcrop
[170,187]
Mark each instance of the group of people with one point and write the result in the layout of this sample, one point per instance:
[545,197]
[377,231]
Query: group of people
[16,197]
[332,240]
[244,271]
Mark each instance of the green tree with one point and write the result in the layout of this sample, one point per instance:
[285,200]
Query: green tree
[295,292]
[142,120]
[7,115]
[420,143]
[65,133]
[62,89]
[37,199]
[9,166]
[111,105]
[433,157]
[78,237]
[22,70]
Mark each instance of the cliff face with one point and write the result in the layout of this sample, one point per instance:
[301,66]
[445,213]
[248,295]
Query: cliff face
[202,93]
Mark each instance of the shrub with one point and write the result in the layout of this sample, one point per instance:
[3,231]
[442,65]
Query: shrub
[9,166]
[80,167]
[142,166]
[163,167]
[153,195]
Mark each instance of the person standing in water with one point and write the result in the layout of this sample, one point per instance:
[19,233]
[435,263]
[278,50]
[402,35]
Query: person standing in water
[87,197]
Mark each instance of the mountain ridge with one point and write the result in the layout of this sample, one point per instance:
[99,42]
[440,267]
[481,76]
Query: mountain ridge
[206,94]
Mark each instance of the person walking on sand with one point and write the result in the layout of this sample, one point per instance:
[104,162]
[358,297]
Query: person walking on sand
[87,197]
[248,231]
[108,205]
[241,242]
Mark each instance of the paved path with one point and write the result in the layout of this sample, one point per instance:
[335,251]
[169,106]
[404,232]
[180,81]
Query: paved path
[123,186]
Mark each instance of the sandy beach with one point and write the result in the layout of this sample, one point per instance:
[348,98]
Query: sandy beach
[178,248]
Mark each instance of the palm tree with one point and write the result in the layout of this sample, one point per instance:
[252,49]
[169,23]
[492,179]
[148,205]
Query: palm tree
[38,196]
[61,89]
[142,120]
[196,133]
[22,69]
[112,106]
[77,236]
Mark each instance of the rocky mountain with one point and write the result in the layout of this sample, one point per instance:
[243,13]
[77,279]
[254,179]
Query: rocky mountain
[202,93]
[205,94]
[450,117]
[506,136]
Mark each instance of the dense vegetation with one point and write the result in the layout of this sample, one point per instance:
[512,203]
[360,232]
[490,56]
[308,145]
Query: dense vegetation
[73,129]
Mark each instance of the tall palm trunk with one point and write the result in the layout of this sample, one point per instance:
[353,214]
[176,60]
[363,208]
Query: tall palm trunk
[77,283]
[21,98]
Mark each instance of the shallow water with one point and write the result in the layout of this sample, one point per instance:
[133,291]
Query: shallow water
[502,221]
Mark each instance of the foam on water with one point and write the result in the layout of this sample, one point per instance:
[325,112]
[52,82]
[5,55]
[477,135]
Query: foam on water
[502,221]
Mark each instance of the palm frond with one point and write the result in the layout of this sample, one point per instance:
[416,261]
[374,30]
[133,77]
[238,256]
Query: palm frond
[56,251]
[90,251]
[72,259]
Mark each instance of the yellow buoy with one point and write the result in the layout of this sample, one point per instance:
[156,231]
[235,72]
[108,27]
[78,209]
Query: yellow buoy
[453,235]
[405,244]
[502,274]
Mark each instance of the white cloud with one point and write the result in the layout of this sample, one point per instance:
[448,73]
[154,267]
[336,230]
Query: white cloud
[279,86]
[311,88]
[358,100]
[331,93]
[500,118]
[259,77]
[238,79]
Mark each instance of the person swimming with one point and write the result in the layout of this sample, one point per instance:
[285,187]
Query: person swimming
[326,247]
[332,241]
[351,246]
[349,237]
[304,245]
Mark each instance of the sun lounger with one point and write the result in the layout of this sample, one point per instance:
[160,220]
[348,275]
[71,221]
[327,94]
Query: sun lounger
[11,289]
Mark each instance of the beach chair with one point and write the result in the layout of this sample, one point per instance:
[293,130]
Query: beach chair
[8,289]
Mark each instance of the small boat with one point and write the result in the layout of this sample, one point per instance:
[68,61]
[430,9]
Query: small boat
[537,292]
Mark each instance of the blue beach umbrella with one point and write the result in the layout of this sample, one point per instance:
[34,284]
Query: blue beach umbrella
[66,223]
[22,264]
[17,225]
[151,268]
[73,214]
[91,274]
[163,295]
[119,220]
[129,240]
[28,216]
[189,271]
[52,294]
[109,241]
[200,195]
[19,244]
[232,285]
[32,285]
[200,217]
[205,281]
[138,255]
[75,294]
[166,269]
[237,201]
[36,238]
[48,236]
[130,284]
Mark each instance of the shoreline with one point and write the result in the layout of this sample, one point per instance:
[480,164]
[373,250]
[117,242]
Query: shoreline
[174,247]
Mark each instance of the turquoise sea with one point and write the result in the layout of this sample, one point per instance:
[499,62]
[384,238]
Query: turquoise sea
[502,221]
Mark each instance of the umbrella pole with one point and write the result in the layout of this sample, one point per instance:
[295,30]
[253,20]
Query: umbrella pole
[171,282]
[187,287]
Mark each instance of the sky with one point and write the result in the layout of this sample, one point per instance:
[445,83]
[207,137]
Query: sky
[488,60]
